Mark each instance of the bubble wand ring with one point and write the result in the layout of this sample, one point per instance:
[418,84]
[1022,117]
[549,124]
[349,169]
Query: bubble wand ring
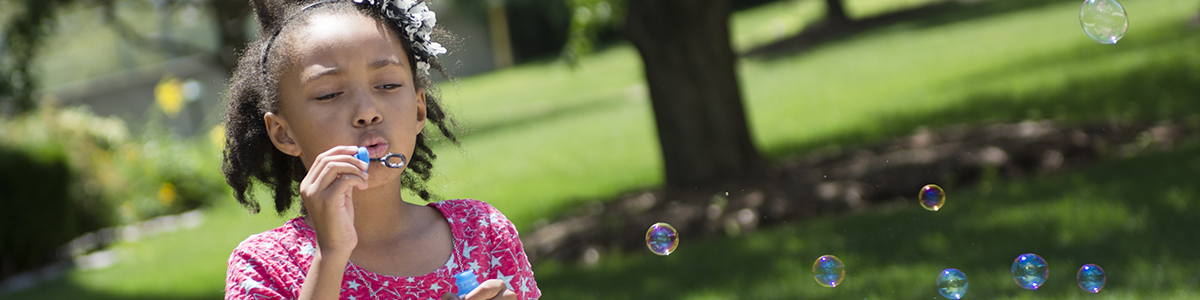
[386,160]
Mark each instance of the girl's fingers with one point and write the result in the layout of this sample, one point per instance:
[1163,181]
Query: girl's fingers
[333,155]
[337,169]
[509,295]
[342,184]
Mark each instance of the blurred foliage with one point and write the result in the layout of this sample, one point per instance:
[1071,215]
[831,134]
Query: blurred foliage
[596,21]
[68,172]
[24,32]
[537,28]
[588,19]
[41,211]
[52,42]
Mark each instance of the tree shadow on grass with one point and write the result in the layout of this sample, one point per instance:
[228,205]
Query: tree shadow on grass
[935,14]
[1161,86]
[1133,217]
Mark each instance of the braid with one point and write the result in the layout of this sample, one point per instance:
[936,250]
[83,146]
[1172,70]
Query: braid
[249,154]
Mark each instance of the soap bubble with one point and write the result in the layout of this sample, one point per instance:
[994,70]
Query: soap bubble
[1029,271]
[829,271]
[1103,20]
[952,284]
[662,239]
[1091,278]
[932,197]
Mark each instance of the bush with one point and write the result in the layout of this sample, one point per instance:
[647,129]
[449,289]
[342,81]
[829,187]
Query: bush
[66,172]
[42,208]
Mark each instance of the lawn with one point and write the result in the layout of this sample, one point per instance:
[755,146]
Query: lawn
[1136,218]
[542,138]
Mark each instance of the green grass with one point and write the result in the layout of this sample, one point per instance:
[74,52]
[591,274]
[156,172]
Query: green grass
[186,264]
[546,139]
[1135,218]
[543,139]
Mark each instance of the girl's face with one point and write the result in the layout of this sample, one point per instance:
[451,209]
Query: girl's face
[348,84]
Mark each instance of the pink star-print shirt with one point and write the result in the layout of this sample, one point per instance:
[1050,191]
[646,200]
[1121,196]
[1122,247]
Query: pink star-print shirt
[273,264]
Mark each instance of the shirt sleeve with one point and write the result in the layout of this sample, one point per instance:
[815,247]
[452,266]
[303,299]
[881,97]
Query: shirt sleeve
[508,259]
[247,277]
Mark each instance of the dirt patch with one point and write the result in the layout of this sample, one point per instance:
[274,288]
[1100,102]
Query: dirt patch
[834,180]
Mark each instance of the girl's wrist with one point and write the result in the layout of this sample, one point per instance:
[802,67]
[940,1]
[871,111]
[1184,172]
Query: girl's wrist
[330,257]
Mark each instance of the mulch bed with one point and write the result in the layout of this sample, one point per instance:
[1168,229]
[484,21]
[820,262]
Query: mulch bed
[836,180]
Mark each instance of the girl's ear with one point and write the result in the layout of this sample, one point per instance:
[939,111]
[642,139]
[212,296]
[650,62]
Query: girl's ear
[421,113]
[280,135]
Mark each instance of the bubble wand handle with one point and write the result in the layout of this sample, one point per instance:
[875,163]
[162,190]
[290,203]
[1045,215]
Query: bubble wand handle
[386,160]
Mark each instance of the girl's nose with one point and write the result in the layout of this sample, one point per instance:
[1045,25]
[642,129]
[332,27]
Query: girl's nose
[365,121]
[368,113]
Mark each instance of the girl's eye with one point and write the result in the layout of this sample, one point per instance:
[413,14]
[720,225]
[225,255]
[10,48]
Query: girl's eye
[389,86]
[328,96]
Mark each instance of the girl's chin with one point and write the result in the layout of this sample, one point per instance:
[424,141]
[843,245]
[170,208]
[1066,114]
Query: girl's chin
[382,177]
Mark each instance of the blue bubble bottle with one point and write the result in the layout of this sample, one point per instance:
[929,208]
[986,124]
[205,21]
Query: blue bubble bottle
[466,282]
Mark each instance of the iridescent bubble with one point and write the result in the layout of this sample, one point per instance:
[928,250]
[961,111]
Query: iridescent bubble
[829,271]
[1103,20]
[952,284]
[662,239]
[932,197]
[1091,278]
[1029,271]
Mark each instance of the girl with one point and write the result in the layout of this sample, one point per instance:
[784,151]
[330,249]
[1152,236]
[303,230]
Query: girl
[325,78]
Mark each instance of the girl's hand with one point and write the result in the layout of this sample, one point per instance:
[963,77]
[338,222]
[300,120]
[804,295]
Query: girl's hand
[492,289]
[325,192]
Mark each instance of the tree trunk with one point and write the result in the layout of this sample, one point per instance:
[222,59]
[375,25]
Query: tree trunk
[694,90]
[502,56]
[835,12]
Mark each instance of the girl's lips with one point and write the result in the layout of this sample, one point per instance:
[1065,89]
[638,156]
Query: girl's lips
[377,150]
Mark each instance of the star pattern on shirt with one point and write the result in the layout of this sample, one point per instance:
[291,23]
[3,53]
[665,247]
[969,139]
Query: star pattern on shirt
[250,284]
[524,287]
[308,249]
[506,279]
[467,251]
[273,264]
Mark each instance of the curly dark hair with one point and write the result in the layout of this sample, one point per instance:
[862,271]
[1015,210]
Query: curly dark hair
[250,156]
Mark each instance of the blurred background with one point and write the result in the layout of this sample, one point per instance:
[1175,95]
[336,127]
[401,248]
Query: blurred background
[768,132]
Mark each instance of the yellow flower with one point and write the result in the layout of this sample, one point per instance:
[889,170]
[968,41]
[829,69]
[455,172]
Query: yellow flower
[169,95]
[217,135]
[166,193]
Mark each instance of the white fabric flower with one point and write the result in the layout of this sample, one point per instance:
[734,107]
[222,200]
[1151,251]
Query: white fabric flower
[404,5]
[423,67]
[417,21]
[435,49]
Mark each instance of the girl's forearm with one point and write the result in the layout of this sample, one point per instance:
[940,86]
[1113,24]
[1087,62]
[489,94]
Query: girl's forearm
[324,279]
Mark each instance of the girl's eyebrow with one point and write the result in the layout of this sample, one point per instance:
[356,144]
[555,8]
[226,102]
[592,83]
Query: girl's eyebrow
[337,71]
[323,72]
[385,62]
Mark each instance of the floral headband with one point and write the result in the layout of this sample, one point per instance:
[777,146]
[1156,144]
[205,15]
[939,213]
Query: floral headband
[417,21]
[412,16]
